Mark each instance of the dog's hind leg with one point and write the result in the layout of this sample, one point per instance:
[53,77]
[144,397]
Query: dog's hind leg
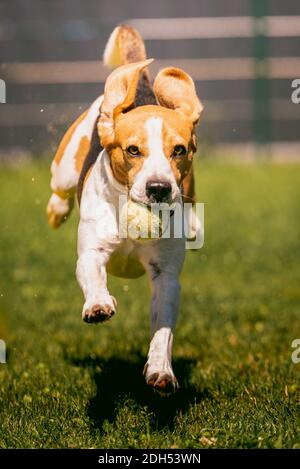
[67,165]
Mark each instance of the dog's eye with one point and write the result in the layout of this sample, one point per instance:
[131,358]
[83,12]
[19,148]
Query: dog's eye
[133,150]
[179,150]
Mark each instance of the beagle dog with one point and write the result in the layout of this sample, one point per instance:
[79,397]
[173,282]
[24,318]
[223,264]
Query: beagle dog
[137,141]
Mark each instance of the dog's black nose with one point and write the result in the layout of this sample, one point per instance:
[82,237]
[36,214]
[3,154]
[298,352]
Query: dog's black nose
[158,191]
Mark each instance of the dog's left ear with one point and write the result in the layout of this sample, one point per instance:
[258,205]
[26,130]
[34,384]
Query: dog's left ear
[119,96]
[175,89]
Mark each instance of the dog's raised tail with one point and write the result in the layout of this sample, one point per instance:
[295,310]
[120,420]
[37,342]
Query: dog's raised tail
[125,45]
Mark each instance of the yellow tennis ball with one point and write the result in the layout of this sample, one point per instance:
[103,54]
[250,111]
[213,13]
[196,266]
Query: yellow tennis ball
[139,222]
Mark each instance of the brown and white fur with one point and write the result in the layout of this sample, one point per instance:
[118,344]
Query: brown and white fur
[95,158]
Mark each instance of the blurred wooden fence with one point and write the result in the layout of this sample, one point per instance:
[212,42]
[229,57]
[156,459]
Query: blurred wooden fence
[243,55]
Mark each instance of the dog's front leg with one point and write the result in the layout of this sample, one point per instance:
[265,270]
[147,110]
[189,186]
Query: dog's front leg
[164,269]
[99,305]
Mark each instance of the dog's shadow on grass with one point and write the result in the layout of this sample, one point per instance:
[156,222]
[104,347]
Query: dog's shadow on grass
[119,381]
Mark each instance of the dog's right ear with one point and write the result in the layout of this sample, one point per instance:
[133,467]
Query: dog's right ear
[119,96]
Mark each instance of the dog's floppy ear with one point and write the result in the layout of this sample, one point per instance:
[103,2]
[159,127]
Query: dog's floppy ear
[175,89]
[119,96]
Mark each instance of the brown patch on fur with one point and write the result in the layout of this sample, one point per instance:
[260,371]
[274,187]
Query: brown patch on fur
[67,137]
[188,187]
[177,130]
[81,153]
[118,165]
[180,167]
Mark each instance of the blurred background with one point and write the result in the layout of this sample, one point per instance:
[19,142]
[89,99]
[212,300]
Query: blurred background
[243,55]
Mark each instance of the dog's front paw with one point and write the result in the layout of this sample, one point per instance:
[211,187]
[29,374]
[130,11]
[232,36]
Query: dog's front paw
[99,311]
[163,382]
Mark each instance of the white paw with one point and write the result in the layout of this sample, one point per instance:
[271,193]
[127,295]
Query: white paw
[99,310]
[163,381]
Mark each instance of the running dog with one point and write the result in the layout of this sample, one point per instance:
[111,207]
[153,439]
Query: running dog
[136,140]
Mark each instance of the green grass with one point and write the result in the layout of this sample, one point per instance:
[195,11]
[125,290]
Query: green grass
[69,384]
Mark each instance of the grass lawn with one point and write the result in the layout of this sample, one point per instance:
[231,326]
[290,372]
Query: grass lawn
[69,384]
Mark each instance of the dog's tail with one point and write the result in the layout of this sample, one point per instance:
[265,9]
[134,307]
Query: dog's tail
[125,45]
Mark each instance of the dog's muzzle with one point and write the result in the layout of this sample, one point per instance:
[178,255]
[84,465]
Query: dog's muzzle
[158,191]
